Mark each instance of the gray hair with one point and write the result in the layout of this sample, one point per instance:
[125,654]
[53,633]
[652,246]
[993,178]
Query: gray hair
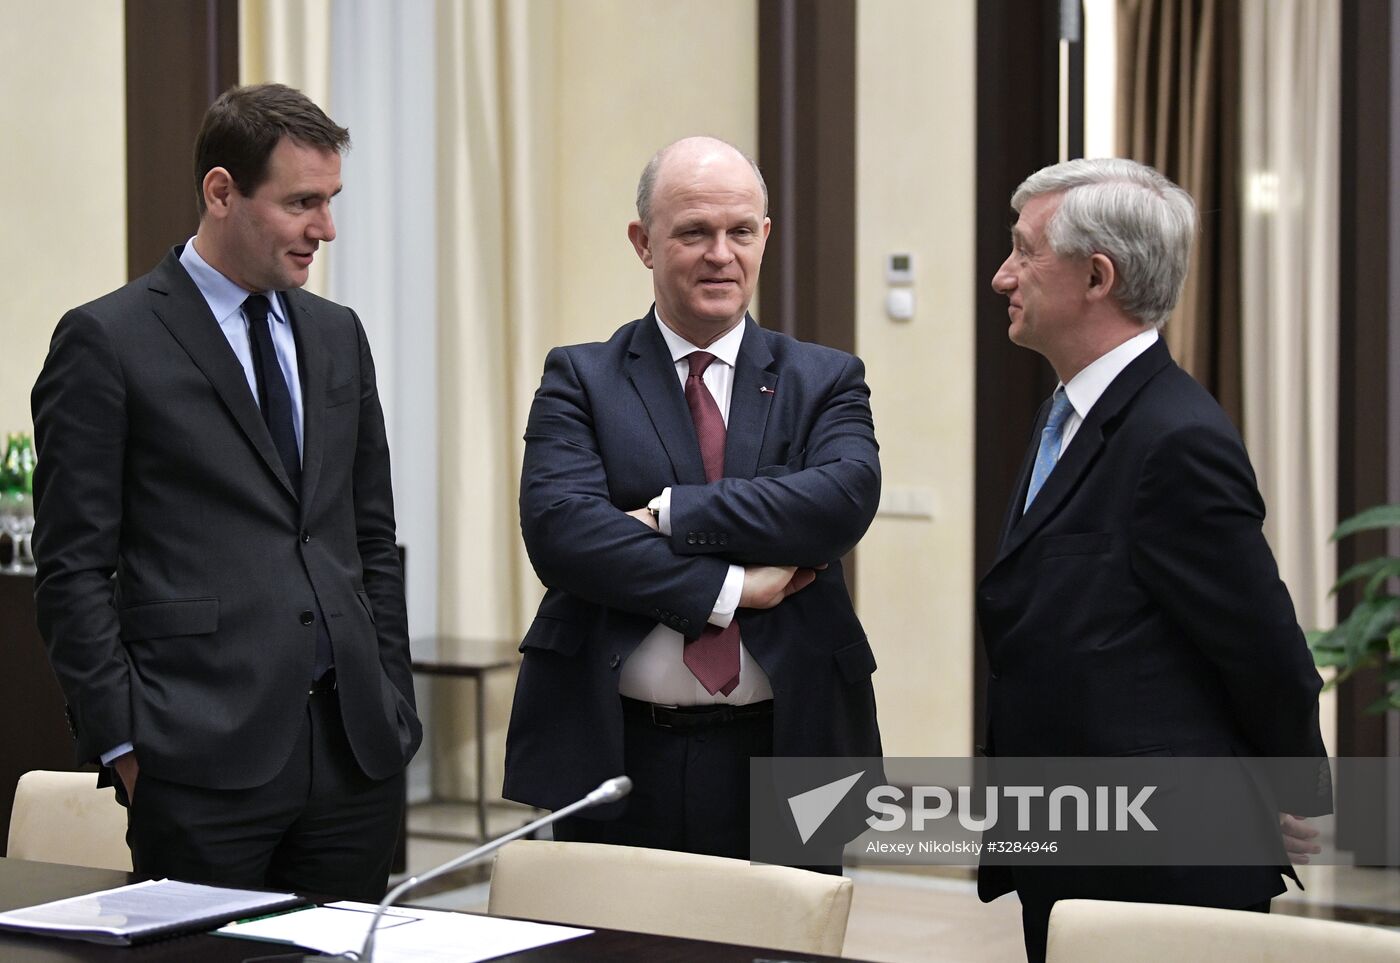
[1130,213]
[647,183]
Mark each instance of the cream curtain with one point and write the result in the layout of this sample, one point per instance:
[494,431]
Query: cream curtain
[484,256]
[1178,69]
[289,43]
[495,304]
[1290,133]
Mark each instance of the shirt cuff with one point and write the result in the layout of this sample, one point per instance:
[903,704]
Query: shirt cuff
[729,594]
[111,755]
[663,517]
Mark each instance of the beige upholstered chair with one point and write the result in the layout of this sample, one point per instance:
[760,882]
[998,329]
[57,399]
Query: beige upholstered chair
[672,894]
[1099,931]
[62,817]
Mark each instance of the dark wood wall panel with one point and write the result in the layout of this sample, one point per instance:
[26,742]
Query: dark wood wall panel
[807,149]
[1367,343]
[1017,134]
[180,55]
[1367,285]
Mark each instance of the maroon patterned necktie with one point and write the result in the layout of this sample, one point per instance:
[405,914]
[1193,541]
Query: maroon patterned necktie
[714,657]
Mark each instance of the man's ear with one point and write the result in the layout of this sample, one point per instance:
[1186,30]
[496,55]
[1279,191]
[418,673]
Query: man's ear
[218,188]
[641,241]
[1102,277]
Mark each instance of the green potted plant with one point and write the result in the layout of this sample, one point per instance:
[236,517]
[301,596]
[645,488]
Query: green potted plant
[1369,636]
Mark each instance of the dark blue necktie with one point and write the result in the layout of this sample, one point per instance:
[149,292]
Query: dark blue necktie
[273,397]
[276,403]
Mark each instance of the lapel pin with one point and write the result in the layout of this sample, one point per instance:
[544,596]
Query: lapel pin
[765,390]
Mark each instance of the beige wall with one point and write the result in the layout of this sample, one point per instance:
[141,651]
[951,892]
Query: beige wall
[627,83]
[62,177]
[634,75]
[915,177]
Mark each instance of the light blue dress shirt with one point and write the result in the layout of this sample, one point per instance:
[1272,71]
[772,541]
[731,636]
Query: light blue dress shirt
[225,300]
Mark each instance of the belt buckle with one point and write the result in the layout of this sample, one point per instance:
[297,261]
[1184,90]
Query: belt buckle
[652,707]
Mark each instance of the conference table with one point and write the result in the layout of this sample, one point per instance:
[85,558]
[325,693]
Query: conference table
[25,883]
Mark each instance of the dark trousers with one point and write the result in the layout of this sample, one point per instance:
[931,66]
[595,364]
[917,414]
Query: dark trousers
[1035,923]
[320,826]
[690,788]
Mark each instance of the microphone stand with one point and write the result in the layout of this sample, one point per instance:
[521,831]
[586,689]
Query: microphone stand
[610,790]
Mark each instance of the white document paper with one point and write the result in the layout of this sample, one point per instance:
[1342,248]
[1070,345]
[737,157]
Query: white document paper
[404,935]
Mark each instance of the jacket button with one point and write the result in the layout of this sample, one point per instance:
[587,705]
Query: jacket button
[615,661]
[307,618]
[690,539]
[305,537]
[723,539]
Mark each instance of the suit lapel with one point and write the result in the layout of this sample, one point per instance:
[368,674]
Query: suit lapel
[750,401]
[311,363]
[1083,449]
[178,304]
[653,374]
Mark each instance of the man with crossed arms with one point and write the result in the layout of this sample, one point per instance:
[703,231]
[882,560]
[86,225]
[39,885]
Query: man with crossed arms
[689,487]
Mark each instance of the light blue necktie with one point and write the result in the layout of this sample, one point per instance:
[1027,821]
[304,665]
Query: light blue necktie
[1049,452]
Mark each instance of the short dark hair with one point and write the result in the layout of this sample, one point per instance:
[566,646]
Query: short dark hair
[245,124]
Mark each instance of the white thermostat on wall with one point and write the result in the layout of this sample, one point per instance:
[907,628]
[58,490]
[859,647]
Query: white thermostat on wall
[899,268]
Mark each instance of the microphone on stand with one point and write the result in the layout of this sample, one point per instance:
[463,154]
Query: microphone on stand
[611,790]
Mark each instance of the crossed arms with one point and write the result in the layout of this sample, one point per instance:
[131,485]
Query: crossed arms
[781,525]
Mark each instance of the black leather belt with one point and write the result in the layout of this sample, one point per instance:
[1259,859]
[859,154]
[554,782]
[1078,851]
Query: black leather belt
[696,717]
[324,684]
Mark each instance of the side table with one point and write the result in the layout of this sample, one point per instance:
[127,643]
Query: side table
[472,659]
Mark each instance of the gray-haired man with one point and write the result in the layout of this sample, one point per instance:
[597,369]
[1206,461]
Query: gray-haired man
[1134,607]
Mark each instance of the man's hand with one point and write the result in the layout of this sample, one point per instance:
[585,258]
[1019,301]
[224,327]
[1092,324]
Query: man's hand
[767,585]
[127,770]
[645,516]
[1298,838]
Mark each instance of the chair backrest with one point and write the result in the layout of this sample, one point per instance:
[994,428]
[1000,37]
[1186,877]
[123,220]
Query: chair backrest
[62,817]
[671,894]
[1100,931]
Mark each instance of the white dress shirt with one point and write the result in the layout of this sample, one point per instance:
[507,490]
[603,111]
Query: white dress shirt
[656,670]
[1086,388]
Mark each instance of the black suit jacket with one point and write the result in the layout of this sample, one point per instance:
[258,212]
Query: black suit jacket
[608,430]
[177,568]
[1136,609]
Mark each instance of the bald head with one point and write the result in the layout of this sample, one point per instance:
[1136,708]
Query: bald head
[690,154]
[701,228]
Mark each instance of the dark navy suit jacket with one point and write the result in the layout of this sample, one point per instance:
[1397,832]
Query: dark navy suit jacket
[1136,609]
[608,430]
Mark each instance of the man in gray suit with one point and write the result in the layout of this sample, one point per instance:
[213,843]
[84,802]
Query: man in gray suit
[218,582]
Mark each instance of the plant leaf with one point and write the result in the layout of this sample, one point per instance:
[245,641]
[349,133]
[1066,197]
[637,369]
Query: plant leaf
[1384,616]
[1368,569]
[1385,702]
[1394,640]
[1380,516]
[1328,658]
